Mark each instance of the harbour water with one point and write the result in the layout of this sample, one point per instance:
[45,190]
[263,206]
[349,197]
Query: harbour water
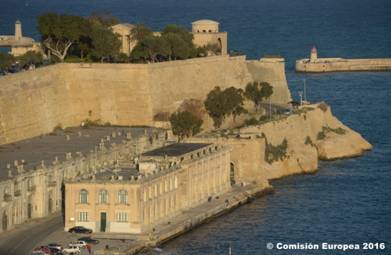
[347,201]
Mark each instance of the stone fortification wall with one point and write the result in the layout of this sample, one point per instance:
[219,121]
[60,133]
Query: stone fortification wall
[34,102]
[271,70]
[342,65]
[311,134]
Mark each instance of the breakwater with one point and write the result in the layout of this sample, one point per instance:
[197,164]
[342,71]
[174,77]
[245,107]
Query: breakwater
[322,65]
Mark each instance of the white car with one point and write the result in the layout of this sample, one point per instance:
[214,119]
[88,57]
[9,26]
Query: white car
[80,244]
[71,249]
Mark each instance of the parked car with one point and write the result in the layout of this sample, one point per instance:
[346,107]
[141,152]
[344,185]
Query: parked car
[56,251]
[80,244]
[80,230]
[43,250]
[55,246]
[71,249]
[88,239]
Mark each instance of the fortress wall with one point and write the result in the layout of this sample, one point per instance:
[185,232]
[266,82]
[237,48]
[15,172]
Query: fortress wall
[34,102]
[172,82]
[249,152]
[118,94]
[273,72]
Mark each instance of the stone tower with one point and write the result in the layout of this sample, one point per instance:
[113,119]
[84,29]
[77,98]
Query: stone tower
[18,30]
[314,54]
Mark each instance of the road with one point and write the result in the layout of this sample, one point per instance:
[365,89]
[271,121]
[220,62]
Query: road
[22,240]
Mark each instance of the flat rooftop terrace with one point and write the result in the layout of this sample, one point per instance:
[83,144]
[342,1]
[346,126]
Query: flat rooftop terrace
[175,149]
[57,144]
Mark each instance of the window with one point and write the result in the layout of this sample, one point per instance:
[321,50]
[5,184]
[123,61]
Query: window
[83,196]
[121,217]
[122,196]
[83,216]
[103,196]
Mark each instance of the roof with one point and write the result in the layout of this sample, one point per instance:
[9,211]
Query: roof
[176,149]
[56,144]
[124,25]
[205,21]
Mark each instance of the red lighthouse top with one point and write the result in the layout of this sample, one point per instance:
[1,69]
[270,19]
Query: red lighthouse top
[314,50]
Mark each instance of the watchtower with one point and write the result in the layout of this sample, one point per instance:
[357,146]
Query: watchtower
[207,32]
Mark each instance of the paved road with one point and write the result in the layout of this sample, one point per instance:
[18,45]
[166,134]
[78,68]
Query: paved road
[23,239]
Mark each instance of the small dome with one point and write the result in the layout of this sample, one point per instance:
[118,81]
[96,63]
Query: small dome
[18,22]
[204,21]
[314,49]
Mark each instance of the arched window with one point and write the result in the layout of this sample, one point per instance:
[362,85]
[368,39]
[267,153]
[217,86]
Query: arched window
[103,196]
[122,196]
[83,196]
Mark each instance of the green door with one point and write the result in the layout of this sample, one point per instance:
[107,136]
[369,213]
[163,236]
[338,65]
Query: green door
[102,222]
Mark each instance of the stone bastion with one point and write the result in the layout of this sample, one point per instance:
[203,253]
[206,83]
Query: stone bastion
[35,102]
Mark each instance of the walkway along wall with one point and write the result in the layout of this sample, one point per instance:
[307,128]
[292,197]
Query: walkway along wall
[34,102]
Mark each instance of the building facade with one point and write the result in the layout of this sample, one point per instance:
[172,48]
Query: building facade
[34,193]
[162,184]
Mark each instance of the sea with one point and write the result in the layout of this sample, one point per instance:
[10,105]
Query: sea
[347,202]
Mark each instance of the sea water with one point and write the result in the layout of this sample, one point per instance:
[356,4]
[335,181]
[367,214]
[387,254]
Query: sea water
[347,201]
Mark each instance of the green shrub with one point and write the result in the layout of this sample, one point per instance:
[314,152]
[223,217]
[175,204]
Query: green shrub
[276,152]
[87,123]
[322,134]
[251,122]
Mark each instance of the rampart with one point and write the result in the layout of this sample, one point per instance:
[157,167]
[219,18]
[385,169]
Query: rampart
[343,65]
[34,102]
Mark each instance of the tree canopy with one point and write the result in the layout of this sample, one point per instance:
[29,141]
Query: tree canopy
[6,62]
[31,58]
[105,44]
[92,36]
[257,92]
[60,32]
[175,42]
[185,124]
[221,103]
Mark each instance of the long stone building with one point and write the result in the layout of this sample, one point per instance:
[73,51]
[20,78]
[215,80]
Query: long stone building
[135,199]
[32,183]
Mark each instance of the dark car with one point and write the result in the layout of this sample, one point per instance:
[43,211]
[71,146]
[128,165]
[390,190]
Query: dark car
[88,239]
[80,230]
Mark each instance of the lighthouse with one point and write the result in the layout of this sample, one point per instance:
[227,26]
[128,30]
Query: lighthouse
[314,54]
[18,30]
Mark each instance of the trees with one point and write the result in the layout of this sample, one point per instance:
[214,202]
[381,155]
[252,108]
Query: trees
[140,32]
[185,124]
[151,48]
[174,42]
[105,44]
[31,58]
[6,62]
[257,92]
[60,32]
[221,103]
